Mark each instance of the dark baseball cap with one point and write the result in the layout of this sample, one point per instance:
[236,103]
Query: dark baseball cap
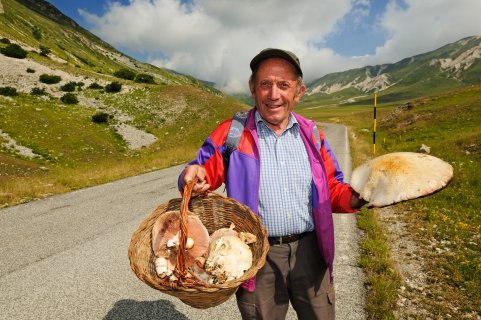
[271,53]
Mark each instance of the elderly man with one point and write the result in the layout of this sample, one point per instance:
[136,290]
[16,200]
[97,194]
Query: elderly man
[285,171]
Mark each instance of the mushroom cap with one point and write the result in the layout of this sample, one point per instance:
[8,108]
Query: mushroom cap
[400,176]
[165,228]
[229,257]
[168,225]
[223,232]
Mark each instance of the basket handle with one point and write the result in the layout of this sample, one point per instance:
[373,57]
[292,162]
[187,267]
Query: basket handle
[184,207]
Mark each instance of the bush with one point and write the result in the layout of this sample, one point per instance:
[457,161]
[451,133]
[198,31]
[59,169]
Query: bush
[101,117]
[38,91]
[8,91]
[30,70]
[144,78]
[113,87]
[5,40]
[95,85]
[69,86]
[37,33]
[44,51]
[49,79]
[69,98]
[125,74]
[13,50]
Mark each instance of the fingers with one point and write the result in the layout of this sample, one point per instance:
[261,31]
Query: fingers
[200,188]
[198,171]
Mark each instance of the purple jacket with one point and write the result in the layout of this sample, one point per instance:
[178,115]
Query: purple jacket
[242,178]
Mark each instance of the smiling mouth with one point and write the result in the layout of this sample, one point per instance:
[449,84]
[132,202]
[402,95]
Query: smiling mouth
[272,106]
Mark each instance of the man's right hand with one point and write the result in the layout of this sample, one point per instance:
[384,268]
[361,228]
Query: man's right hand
[190,173]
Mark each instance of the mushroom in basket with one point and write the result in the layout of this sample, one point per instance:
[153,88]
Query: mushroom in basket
[165,242]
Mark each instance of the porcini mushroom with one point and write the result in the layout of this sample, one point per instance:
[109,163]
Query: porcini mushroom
[400,176]
[229,257]
[167,228]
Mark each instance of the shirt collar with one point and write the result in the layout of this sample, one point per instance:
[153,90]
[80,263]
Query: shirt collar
[292,121]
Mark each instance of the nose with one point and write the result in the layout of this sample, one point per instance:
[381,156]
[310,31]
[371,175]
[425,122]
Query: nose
[274,92]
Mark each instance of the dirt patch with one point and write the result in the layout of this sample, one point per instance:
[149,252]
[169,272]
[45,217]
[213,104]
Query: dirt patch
[409,262]
[413,252]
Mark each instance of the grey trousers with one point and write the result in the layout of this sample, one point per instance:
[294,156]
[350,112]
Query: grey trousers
[293,272]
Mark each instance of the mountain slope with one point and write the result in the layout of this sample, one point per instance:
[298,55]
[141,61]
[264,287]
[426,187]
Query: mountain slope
[451,66]
[48,145]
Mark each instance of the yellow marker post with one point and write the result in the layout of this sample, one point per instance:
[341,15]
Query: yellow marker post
[374,127]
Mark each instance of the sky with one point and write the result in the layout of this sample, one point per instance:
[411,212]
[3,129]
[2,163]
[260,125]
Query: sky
[214,40]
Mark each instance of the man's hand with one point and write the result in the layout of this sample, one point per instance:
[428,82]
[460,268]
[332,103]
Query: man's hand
[190,173]
[356,201]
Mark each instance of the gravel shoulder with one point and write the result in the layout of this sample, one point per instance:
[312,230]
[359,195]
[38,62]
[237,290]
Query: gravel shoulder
[348,276]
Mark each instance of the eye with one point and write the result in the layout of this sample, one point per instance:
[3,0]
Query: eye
[284,85]
[264,84]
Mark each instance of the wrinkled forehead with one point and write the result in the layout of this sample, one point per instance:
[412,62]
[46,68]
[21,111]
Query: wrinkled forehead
[276,68]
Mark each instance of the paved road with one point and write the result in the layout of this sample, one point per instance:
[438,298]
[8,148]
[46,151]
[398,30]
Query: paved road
[65,257]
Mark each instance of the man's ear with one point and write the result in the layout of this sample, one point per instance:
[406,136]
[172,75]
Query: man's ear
[252,87]
[301,92]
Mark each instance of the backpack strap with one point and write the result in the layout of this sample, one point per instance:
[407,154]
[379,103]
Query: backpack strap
[234,135]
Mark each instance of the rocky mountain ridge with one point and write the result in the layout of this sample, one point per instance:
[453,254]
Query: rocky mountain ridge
[454,65]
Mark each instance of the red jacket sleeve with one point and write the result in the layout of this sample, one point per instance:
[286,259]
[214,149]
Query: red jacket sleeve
[340,192]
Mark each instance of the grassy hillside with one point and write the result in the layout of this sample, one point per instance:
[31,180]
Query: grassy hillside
[439,234]
[68,149]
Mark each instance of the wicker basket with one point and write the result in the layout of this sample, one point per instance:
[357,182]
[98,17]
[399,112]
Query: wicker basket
[215,211]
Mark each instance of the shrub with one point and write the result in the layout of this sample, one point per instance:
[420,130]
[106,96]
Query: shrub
[69,86]
[49,79]
[95,85]
[113,87]
[44,51]
[69,98]
[37,33]
[101,117]
[30,70]
[8,91]
[144,78]
[125,74]
[13,50]
[38,91]
[5,40]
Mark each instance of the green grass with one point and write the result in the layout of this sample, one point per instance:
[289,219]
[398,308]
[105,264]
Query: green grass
[76,152]
[450,124]
[383,280]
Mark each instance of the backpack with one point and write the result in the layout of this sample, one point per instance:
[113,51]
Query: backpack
[235,133]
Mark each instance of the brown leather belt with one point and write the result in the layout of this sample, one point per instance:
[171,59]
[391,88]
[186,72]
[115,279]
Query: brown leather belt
[287,239]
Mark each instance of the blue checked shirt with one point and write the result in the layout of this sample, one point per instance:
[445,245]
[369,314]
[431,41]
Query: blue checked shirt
[285,195]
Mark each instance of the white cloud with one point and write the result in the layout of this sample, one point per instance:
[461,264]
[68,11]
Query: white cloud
[215,39]
[425,25]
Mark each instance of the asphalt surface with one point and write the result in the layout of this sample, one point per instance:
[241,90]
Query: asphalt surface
[65,257]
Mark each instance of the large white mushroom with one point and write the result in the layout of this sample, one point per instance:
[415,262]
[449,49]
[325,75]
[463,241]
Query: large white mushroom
[229,257]
[400,176]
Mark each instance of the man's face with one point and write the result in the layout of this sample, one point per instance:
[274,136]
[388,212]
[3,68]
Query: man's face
[275,92]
